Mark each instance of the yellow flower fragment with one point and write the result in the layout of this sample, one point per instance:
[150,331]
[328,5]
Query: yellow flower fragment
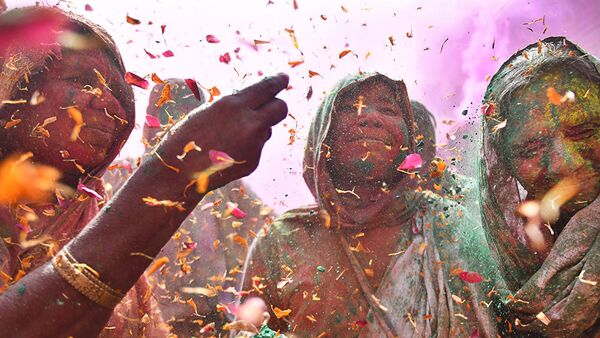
[75,115]
[22,180]
[279,313]
[157,265]
[190,146]
[153,202]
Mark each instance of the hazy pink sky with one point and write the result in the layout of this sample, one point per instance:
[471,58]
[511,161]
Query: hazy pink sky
[447,81]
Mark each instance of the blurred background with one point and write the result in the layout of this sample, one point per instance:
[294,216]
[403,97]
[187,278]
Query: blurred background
[444,51]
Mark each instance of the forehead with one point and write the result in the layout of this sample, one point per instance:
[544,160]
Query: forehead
[530,112]
[370,90]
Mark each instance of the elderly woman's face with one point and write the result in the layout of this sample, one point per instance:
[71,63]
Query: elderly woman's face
[67,83]
[547,142]
[368,133]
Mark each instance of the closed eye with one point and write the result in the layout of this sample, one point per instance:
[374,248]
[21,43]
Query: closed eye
[582,131]
[529,150]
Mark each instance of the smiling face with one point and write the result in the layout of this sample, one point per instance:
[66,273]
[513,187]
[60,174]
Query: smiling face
[546,142]
[62,86]
[368,144]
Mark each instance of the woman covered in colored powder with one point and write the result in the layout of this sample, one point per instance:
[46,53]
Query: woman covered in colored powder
[541,154]
[381,255]
[66,111]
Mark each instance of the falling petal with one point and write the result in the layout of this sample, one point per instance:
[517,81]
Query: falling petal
[135,80]
[470,277]
[90,192]
[212,39]
[152,122]
[411,162]
[225,58]
[193,86]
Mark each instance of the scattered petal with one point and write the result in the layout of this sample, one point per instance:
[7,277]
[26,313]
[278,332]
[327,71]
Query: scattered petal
[232,209]
[553,96]
[135,80]
[281,313]
[438,166]
[543,318]
[193,86]
[499,126]
[168,53]
[152,56]
[75,115]
[152,122]
[411,162]
[344,53]
[225,58]
[22,180]
[470,277]
[212,39]
[156,79]
[187,148]
[214,91]
[488,109]
[132,21]
[165,96]
[313,73]
[295,63]
[157,264]
[90,192]
[153,202]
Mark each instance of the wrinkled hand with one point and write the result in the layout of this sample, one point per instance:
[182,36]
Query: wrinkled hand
[571,304]
[238,125]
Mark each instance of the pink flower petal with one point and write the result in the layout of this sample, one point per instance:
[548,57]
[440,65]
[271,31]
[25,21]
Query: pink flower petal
[225,58]
[24,228]
[152,56]
[89,192]
[470,277]
[235,211]
[127,165]
[361,323]
[219,157]
[135,80]
[193,86]
[488,109]
[88,8]
[212,39]
[162,28]
[168,53]
[190,245]
[152,122]
[411,162]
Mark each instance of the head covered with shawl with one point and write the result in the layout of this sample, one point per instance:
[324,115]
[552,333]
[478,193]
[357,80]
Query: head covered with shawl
[347,142]
[366,128]
[547,95]
[62,80]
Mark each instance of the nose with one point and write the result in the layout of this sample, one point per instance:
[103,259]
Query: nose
[107,101]
[370,120]
[562,162]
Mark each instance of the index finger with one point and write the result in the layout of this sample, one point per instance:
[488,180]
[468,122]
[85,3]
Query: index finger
[264,91]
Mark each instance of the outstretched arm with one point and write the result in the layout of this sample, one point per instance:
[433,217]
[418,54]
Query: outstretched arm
[44,304]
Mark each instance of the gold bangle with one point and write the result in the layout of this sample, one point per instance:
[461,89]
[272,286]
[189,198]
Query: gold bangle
[85,280]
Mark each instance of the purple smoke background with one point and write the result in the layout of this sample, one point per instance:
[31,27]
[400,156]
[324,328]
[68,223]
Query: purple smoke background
[444,51]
